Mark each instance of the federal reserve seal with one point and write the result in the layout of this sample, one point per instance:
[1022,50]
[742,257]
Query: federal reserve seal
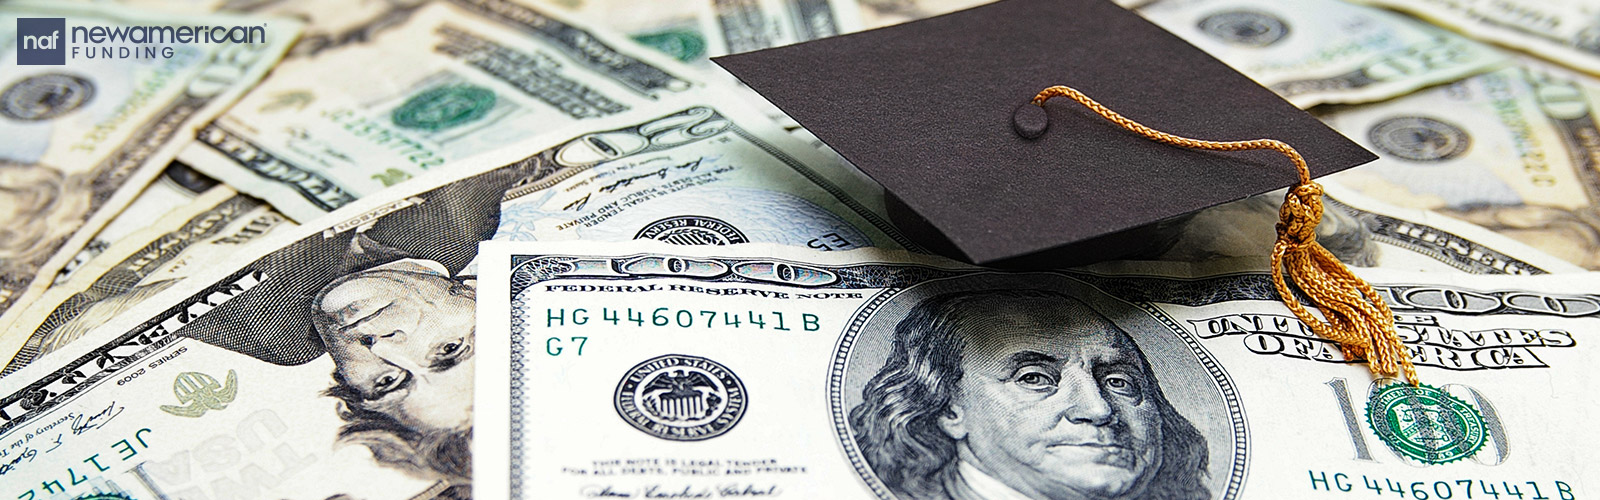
[1245,27]
[692,230]
[1419,139]
[444,107]
[42,97]
[1425,423]
[681,398]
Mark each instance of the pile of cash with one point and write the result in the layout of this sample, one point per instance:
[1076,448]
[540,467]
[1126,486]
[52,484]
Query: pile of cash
[255,266]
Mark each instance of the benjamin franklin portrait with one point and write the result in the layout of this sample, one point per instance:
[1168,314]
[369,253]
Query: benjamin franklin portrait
[1006,393]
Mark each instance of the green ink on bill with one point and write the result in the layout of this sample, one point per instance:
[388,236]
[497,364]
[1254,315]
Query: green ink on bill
[445,107]
[685,45]
[1425,423]
[200,393]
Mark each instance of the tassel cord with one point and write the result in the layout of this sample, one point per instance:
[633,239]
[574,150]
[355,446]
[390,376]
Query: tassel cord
[1358,319]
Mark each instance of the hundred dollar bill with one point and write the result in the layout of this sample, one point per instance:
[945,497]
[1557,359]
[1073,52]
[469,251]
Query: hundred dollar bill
[1324,51]
[85,136]
[254,380]
[1564,31]
[457,78]
[1357,229]
[1514,151]
[185,241]
[647,371]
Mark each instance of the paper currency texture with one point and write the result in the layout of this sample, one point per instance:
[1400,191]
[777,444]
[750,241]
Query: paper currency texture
[1324,51]
[84,138]
[1563,31]
[455,79]
[188,240]
[262,353]
[644,370]
[1512,151]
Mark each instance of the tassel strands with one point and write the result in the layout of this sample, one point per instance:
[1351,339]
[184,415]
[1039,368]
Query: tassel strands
[1358,319]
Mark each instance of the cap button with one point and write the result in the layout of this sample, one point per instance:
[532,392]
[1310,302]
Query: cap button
[1030,121]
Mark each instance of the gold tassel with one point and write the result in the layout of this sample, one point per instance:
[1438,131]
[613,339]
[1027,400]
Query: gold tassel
[1357,317]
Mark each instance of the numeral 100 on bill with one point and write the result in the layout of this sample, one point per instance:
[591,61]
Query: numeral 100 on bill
[1495,445]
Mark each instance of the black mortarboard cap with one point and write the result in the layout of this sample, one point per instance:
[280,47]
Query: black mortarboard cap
[926,108]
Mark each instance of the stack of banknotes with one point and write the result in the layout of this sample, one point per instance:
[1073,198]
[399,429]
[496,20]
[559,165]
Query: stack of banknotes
[257,270]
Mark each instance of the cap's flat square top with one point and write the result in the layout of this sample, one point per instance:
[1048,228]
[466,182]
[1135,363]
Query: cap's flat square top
[925,109]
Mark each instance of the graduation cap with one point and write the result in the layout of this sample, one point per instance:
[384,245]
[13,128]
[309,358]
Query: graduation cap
[927,109]
[948,115]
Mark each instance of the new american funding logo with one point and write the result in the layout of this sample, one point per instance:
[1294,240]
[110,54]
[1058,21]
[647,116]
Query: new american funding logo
[47,41]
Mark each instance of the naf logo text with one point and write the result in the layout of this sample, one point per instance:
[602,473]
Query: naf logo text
[49,41]
[41,41]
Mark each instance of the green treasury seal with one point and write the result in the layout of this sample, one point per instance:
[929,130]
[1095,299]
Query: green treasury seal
[444,107]
[1425,423]
[684,44]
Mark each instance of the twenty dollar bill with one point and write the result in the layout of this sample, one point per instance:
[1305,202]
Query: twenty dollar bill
[1564,31]
[186,241]
[84,138]
[458,78]
[1514,150]
[1324,51]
